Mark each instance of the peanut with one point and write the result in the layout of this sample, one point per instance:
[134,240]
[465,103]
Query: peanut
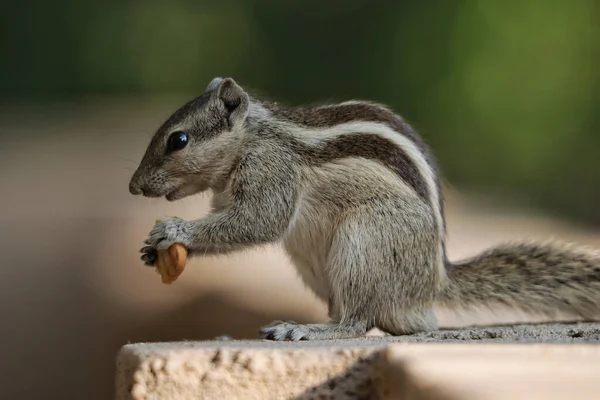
[171,262]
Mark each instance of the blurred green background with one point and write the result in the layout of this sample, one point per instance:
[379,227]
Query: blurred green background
[507,93]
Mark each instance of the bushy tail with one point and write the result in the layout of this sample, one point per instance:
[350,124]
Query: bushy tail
[544,279]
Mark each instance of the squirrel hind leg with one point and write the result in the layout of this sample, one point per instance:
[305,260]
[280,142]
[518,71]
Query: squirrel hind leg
[409,322]
[294,332]
[403,324]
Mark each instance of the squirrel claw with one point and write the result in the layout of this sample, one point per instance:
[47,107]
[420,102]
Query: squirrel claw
[149,255]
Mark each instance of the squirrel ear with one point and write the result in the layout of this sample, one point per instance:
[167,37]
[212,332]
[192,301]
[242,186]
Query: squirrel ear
[234,98]
[214,84]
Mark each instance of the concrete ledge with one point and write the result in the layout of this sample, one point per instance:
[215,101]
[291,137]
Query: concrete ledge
[372,367]
[243,370]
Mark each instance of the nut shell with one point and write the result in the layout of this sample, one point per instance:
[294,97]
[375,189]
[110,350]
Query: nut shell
[171,263]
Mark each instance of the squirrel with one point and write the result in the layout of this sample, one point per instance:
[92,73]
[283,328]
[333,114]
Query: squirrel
[352,192]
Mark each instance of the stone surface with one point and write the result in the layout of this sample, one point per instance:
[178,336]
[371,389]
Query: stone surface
[492,371]
[361,367]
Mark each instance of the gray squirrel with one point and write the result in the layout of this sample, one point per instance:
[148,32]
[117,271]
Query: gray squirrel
[353,194]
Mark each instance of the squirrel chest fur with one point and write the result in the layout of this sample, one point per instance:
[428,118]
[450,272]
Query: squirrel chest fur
[353,194]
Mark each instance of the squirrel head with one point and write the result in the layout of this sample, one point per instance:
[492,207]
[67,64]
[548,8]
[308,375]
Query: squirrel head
[195,148]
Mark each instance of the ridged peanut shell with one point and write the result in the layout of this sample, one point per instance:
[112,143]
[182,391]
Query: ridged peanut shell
[171,263]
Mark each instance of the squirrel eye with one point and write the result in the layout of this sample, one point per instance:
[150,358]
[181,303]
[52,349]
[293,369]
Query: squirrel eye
[177,141]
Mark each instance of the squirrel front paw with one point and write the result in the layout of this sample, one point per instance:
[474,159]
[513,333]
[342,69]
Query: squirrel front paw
[149,255]
[169,231]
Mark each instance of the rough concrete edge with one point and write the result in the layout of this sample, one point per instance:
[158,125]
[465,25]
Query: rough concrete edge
[310,372]
[127,362]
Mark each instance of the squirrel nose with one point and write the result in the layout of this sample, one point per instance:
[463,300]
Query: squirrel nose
[134,189]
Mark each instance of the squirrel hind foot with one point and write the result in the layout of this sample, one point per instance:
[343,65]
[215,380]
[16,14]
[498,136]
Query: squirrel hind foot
[291,331]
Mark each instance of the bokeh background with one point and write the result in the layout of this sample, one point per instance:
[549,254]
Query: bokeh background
[506,93]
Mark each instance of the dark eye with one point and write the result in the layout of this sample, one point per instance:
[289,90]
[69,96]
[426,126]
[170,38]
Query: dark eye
[177,141]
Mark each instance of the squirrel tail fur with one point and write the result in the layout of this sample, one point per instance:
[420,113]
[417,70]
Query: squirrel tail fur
[543,279]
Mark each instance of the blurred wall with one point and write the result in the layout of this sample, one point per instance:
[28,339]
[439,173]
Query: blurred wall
[506,93]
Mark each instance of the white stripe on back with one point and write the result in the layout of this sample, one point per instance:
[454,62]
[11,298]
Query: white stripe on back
[318,135]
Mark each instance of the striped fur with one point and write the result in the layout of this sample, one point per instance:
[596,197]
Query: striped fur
[353,194]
